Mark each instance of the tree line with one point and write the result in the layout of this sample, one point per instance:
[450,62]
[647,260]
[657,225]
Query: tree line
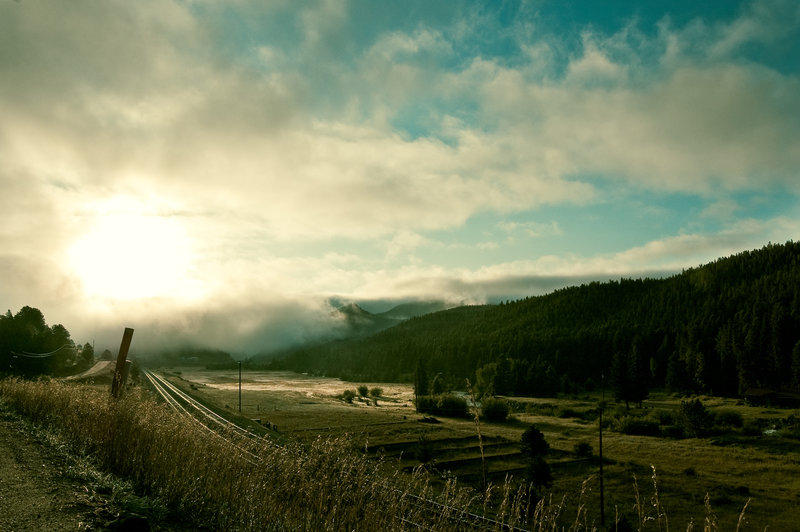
[28,346]
[720,328]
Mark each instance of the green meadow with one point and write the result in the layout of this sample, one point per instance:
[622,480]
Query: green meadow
[688,480]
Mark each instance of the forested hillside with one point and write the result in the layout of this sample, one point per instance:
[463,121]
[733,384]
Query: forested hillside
[720,328]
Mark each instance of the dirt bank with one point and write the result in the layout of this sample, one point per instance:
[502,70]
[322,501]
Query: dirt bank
[40,490]
[34,492]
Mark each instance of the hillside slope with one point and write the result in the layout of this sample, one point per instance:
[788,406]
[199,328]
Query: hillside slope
[722,328]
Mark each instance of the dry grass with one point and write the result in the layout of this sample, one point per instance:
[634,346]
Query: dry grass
[321,484]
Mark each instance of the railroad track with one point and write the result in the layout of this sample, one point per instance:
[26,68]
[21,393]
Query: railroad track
[215,424]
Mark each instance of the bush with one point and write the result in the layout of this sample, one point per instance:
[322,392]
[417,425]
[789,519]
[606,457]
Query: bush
[363,390]
[348,396]
[664,417]
[565,412]
[751,428]
[443,405]
[494,409]
[636,426]
[694,419]
[790,427]
[673,431]
[376,392]
[583,449]
[728,418]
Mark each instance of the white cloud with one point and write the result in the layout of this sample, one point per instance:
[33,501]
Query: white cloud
[690,130]
[721,210]
[594,67]
[404,242]
[321,21]
[531,229]
[292,147]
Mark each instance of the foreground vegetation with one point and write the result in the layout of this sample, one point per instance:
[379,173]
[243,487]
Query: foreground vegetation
[322,484]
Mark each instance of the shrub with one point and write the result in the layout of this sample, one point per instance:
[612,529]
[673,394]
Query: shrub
[751,428]
[728,418]
[673,431]
[636,426]
[565,412]
[348,396]
[426,404]
[790,427]
[694,419]
[664,417]
[583,449]
[375,392]
[443,405]
[494,409]
[363,390]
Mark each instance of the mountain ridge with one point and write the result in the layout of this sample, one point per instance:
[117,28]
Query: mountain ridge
[720,327]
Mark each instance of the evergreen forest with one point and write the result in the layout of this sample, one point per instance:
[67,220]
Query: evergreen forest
[28,346]
[722,328]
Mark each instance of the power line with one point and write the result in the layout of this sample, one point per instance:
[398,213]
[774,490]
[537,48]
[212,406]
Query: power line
[39,355]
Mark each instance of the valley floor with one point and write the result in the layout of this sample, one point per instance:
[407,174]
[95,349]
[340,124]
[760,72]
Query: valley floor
[734,471]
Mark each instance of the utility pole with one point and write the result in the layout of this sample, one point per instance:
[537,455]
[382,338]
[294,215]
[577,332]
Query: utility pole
[240,386]
[602,407]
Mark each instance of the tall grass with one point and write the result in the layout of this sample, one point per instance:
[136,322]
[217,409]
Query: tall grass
[324,485]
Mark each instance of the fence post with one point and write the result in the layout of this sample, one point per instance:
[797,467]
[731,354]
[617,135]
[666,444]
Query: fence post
[119,372]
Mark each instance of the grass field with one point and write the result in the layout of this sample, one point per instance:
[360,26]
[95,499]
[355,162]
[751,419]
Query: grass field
[731,469]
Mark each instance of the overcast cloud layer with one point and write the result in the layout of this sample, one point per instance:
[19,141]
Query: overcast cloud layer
[223,168]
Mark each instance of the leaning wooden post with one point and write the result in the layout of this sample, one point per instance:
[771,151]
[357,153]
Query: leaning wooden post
[119,371]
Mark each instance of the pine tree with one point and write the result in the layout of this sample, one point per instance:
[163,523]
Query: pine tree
[420,383]
[620,378]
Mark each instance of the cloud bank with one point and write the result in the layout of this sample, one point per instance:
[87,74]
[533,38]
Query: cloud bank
[279,155]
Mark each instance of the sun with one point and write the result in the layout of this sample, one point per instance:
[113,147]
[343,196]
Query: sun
[132,251]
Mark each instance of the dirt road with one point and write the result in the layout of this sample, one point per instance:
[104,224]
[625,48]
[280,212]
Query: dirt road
[35,492]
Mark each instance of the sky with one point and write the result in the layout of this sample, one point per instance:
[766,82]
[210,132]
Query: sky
[221,171]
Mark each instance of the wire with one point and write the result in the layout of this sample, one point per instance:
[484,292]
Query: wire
[39,355]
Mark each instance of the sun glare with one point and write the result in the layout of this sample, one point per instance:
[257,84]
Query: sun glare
[130,251]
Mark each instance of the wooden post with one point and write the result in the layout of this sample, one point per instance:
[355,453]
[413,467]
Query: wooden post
[119,371]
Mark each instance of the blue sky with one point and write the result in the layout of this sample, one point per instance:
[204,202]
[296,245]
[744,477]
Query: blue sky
[221,170]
